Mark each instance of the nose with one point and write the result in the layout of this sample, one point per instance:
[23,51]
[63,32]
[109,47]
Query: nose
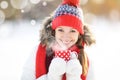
[66,37]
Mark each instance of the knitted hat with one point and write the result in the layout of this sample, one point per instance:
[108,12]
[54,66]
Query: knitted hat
[69,14]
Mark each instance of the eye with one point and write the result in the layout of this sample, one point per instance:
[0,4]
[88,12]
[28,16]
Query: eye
[60,30]
[73,30]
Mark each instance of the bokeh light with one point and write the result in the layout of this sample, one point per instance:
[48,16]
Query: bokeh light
[33,22]
[27,8]
[19,4]
[35,1]
[2,17]
[44,3]
[22,11]
[4,4]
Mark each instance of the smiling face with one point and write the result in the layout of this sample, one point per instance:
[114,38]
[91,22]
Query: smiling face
[66,36]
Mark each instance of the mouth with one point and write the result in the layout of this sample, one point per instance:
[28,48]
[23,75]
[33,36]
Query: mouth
[66,42]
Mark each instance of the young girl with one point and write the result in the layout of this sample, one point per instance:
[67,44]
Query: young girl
[60,54]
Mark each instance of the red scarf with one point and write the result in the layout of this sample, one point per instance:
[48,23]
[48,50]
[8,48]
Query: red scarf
[41,61]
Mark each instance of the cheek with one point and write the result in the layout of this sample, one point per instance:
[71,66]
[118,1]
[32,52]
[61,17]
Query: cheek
[57,35]
[75,37]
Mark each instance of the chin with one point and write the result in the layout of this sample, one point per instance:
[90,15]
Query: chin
[68,46]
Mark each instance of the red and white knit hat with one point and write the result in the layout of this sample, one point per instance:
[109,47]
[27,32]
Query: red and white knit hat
[69,14]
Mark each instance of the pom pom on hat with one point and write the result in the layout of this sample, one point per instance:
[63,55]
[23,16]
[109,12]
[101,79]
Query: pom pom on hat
[69,14]
[71,2]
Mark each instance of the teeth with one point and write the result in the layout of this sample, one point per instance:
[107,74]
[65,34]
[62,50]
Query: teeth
[66,42]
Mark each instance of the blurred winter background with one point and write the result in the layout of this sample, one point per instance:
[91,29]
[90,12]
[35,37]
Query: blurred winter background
[20,22]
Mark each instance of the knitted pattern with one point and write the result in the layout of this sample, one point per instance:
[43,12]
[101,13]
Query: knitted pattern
[69,10]
[63,54]
[69,14]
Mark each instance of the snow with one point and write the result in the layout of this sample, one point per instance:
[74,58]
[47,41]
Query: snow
[15,48]
[18,38]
